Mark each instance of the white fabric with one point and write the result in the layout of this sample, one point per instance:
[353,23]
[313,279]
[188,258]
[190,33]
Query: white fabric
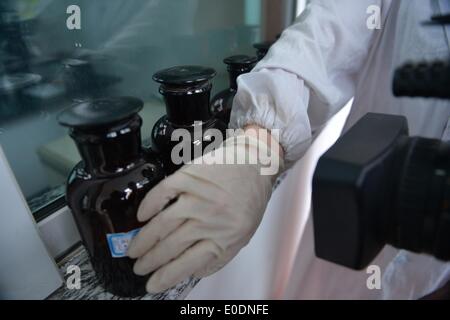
[328,56]
[262,269]
[213,217]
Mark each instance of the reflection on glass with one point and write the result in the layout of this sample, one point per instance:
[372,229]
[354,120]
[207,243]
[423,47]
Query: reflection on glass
[45,66]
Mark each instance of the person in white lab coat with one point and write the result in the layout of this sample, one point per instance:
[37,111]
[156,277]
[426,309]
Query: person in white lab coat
[329,55]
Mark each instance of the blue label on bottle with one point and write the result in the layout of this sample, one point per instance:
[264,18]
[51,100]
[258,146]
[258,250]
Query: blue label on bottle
[118,242]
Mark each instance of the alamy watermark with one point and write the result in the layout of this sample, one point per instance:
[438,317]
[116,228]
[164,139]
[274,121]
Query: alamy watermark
[373,282]
[191,147]
[73,21]
[73,281]
[374,20]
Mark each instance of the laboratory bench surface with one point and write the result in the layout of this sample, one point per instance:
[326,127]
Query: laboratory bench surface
[90,288]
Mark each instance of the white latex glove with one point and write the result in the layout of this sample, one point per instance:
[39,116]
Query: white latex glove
[218,208]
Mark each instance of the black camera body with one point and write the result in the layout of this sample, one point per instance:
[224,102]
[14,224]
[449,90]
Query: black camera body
[378,186]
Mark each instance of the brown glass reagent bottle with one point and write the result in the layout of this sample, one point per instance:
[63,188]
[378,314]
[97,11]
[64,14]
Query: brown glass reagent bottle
[105,189]
[186,91]
[262,48]
[222,103]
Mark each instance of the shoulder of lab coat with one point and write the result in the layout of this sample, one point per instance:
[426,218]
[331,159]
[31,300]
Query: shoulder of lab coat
[310,73]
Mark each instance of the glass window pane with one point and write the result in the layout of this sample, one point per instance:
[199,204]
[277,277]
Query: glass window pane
[46,63]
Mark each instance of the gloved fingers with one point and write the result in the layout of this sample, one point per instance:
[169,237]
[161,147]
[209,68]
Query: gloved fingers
[158,198]
[208,270]
[218,263]
[168,249]
[158,228]
[199,180]
[193,259]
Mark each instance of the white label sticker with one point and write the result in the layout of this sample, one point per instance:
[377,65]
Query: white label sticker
[119,242]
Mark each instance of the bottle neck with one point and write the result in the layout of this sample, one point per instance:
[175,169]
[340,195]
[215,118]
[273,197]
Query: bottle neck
[184,106]
[234,73]
[261,53]
[110,151]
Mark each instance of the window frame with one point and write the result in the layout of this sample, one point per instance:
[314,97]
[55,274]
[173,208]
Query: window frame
[22,272]
[54,221]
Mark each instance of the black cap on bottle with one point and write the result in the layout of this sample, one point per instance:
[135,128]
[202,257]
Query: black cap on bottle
[240,63]
[262,48]
[100,112]
[265,45]
[186,91]
[184,76]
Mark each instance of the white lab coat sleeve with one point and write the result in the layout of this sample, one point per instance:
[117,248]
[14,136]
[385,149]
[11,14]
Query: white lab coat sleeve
[310,73]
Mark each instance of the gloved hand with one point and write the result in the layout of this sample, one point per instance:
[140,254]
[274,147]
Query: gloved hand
[202,215]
